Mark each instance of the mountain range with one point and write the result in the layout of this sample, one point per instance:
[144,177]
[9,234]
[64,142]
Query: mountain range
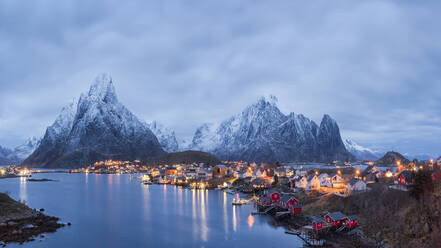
[19,153]
[262,133]
[97,126]
[360,152]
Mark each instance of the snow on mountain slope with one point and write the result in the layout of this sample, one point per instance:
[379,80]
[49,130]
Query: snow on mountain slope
[262,133]
[97,127]
[360,152]
[27,148]
[166,136]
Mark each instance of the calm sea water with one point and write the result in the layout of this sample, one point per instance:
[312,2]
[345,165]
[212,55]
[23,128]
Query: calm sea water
[119,211]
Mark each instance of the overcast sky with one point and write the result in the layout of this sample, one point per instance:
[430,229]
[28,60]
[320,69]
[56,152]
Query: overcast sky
[374,66]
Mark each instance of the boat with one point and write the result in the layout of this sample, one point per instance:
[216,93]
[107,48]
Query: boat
[147,182]
[238,202]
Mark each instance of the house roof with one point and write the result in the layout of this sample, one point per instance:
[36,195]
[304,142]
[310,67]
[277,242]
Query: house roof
[310,177]
[352,217]
[353,181]
[285,198]
[317,219]
[336,215]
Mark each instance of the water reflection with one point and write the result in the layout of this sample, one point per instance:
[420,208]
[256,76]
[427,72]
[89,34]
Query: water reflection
[225,211]
[131,214]
[234,219]
[23,192]
[250,221]
[204,228]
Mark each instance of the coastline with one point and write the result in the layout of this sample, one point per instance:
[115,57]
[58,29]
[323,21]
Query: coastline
[19,223]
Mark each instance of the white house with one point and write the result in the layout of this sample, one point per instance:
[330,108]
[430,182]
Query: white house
[301,182]
[313,182]
[337,181]
[325,180]
[355,185]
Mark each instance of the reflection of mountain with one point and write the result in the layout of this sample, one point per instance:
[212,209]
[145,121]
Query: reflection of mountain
[97,127]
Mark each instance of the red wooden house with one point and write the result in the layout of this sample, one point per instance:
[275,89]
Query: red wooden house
[351,221]
[286,201]
[275,196]
[317,223]
[335,219]
[405,178]
[295,209]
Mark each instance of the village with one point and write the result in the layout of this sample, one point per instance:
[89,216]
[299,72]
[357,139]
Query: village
[281,191]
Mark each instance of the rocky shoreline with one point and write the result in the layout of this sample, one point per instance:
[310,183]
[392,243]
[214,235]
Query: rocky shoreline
[19,223]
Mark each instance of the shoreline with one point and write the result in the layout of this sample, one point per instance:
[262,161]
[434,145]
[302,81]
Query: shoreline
[19,223]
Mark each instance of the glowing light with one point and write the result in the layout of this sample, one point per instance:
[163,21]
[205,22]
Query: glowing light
[2,171]
[250,221]
[339,172]
[316,172]
[389,174]
[357,172]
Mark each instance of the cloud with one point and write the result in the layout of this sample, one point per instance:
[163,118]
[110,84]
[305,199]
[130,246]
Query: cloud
[372,65]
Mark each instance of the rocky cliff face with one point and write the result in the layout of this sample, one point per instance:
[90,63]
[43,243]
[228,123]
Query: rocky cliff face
[262,133]
[96,127]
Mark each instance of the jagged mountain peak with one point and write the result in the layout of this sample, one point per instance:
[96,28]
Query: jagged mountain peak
[103,89]
[95,128]
[261,132]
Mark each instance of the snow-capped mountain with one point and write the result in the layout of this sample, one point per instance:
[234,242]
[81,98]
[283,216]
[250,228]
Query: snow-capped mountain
[7,156]
[166,136]
[96,127]
[19,153]
[27,148]
[262,133]
[359,152]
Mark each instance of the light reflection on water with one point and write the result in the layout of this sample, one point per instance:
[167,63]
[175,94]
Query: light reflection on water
[119,211]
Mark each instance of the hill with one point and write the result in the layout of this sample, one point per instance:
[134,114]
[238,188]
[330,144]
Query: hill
[186,157]
[391,158]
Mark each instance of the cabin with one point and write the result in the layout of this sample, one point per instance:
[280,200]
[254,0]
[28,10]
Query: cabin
[286,201]
[274,195]
[301,182]
[325,180]
[355,185]
[317,223]
[335,219]
[295,209]
[258,173]
[313,183]
[350,221]
[337,181]
[405,178]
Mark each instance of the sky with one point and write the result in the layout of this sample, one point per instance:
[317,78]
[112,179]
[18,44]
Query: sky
[374,66]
